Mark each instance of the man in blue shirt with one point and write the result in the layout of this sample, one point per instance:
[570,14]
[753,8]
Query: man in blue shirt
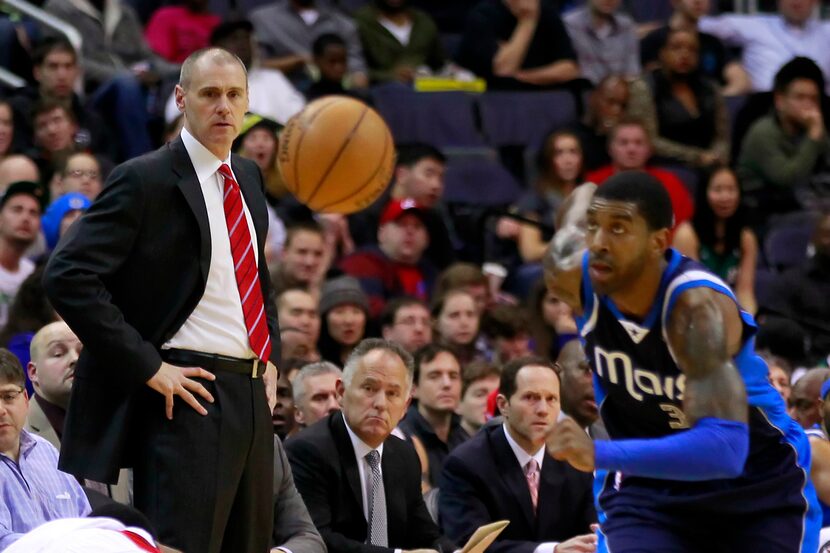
[32,489]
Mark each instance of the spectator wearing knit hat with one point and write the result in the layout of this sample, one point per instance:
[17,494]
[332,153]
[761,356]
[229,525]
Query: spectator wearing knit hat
[344,311]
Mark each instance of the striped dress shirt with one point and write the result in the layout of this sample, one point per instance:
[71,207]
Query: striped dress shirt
[34,491]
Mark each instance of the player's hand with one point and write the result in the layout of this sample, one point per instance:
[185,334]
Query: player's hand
[171,381]
[269,379]
[586,543]
[568,442]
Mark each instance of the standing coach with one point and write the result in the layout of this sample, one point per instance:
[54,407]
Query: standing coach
[165,283]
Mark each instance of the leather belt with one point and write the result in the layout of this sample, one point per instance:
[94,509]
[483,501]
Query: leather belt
[213,362]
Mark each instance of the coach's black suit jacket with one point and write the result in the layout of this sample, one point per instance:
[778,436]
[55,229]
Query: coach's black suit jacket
[326,474]
[482,482]
[125,278]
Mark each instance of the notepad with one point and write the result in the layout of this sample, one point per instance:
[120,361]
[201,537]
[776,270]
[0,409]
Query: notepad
[484,536]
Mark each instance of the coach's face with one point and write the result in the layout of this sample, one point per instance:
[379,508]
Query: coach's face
[377,396]
[214,103]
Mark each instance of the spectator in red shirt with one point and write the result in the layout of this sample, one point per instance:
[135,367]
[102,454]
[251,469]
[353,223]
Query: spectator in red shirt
[175,32]
[396,267]
[630,148]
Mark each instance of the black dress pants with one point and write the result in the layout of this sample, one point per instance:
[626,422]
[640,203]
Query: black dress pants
[206,482]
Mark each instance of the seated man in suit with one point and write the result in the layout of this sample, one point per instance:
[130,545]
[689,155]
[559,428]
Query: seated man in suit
[293,530]
[362,486]
[503,473]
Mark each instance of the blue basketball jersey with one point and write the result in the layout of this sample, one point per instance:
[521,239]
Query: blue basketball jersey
[639,389]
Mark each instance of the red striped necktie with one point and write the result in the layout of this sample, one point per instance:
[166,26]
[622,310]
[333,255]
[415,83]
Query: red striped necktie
[245,268]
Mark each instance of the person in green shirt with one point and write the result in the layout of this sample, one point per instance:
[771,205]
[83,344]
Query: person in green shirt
[398,41]
[787,149]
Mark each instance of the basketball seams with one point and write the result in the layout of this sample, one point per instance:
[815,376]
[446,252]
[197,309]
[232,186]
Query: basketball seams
[298,147]
[368,181]
[340,151]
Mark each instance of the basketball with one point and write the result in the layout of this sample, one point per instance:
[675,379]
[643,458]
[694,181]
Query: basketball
[337,155]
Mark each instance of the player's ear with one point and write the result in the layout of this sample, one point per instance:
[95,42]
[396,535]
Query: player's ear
[661,240]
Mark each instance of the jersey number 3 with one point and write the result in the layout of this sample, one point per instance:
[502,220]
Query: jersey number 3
[677,418]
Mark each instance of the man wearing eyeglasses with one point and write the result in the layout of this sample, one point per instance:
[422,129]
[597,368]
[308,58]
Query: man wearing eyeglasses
[82,174]
[34,491]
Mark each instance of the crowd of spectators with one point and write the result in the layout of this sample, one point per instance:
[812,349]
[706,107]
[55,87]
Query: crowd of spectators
[420,293]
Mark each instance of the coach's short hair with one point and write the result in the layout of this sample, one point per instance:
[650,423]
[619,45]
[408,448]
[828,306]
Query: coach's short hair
[644,190]
[370,344]
[217,55]
[507,384]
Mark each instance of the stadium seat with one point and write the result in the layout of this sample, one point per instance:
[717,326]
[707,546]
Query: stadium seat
[479,180]
[765,281]
[443,119]
[787,241]
[524,118]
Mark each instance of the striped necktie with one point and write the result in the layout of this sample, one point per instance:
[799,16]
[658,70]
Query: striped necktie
[244,266]
[378,534]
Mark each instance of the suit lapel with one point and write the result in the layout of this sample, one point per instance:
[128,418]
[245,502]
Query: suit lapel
[551,482]
[392,486]
[347,458]
[38,423]
[188,183]
[512,475]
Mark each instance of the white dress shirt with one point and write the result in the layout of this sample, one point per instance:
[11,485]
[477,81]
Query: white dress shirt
[523,457]
[768,42]
[217,325]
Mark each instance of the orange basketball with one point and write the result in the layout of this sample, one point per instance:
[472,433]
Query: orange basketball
[337,155]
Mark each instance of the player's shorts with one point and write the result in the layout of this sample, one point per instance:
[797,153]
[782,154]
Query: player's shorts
[785,531]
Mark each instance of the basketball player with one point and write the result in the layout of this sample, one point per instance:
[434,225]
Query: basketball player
[702,455]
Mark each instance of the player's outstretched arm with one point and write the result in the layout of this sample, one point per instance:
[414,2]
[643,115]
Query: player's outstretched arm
[703,333]
[563,258]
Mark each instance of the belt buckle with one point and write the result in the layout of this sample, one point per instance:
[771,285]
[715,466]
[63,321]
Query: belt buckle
[255,367]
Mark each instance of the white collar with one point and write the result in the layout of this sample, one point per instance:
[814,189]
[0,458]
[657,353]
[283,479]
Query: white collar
[361,448]
[204,162]
[522,456]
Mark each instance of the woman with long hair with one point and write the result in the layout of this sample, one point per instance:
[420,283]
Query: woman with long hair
[456,323]
[721,238]
[560,171]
